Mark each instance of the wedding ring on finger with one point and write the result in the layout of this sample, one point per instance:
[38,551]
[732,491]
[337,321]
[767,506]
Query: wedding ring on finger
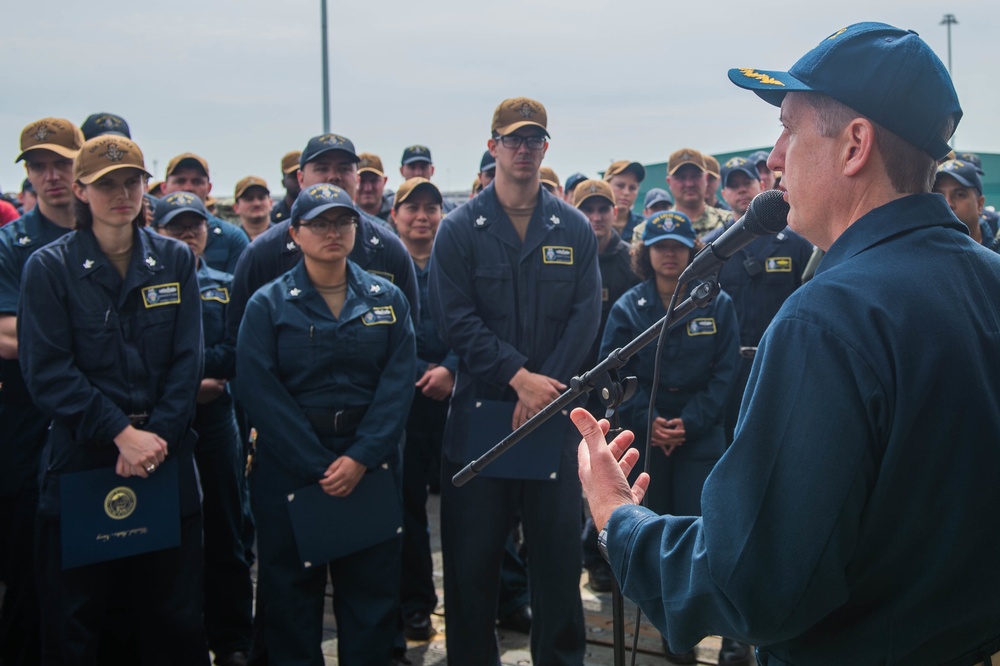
[150,468]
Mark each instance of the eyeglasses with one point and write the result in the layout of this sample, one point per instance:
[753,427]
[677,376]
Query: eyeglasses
[179,229]
[533,142]
[321,226]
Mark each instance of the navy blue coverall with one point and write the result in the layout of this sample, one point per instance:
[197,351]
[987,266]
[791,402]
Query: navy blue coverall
[95,351]
[296,360]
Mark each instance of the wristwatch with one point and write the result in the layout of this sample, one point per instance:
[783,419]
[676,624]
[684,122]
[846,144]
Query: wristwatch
[602,544]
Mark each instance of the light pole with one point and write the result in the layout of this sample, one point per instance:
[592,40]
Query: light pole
[326,69]
[949,20]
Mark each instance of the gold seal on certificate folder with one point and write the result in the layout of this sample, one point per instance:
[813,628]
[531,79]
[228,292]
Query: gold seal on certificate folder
[120,503]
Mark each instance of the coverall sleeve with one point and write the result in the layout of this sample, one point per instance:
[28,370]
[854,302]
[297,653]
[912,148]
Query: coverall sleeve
[271,408]
[45,344]
[382,426]
[453,306]
[781,510]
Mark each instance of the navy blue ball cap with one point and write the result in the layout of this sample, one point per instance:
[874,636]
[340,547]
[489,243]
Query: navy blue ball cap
[317,199]
[972,157]
[104,123]
[887,74]
[669,225]
[416,154]
[26,186]
[324,143]
[964,172]
[488,162]
[175,203]
[758,157]
[657,195]
[743,164]
[574,180]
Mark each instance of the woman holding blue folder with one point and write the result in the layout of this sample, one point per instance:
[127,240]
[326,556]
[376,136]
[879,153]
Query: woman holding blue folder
[325,366]
[111,349]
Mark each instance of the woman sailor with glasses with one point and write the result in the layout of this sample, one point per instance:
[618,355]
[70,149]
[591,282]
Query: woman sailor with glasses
[111,349]
[326,361]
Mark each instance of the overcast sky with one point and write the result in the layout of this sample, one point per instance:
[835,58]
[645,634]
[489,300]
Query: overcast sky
[240,83]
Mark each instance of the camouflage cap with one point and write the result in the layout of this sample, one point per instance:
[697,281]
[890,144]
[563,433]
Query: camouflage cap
[104,154]
[517,112]
[56,134]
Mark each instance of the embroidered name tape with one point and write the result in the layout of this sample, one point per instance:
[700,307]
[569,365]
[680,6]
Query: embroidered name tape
[220,294]
[162,294]
[778,265]
[557,254]
[383,314]
[701,326]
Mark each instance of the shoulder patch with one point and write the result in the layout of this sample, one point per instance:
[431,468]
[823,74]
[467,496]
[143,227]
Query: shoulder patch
[701,326]
[557,254]
[220,294]
[778,265]
[381,314]
[162,294]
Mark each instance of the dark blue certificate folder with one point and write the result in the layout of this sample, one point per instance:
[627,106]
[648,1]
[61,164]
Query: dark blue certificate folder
[534,457]
[105,517]
[328,527]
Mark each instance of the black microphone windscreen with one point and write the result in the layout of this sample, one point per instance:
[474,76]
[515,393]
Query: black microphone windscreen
[767,213]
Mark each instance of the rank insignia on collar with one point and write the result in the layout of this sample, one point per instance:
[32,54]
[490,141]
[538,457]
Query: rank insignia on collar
[641,301]
[554,220]
[294,291]
[374,240]
[375,289]
[24,240]
[150,262]
[290,245]
[88,264]
[480,221]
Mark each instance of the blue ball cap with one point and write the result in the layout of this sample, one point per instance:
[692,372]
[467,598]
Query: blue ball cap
[175,203]
[972,157]
[657,195]
[574,180]
[964,172]
[890,75]
[744,164]
[670,224]
[488,162]
[97,124]
[324,143]
[318,198]
[758,157]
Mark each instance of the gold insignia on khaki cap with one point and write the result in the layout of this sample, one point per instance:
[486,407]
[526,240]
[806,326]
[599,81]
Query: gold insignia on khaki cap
[187,160]
[290,161]
[56,134]
[518,112]
[250,181]
[547,175]
[592,188]
[104,154]
[685,156]
[371,163]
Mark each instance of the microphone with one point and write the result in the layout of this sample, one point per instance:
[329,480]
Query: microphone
[767,214]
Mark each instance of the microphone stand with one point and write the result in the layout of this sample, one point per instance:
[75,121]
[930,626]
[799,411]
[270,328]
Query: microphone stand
[613,392]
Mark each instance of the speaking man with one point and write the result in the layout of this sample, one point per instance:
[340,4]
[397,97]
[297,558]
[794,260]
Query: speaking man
[845,523]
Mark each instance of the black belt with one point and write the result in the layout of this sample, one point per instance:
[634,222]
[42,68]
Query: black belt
[138,420]
[328,422]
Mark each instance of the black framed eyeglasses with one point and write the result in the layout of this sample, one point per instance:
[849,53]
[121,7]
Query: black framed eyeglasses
[321,226]
[181,228]
[533,142]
